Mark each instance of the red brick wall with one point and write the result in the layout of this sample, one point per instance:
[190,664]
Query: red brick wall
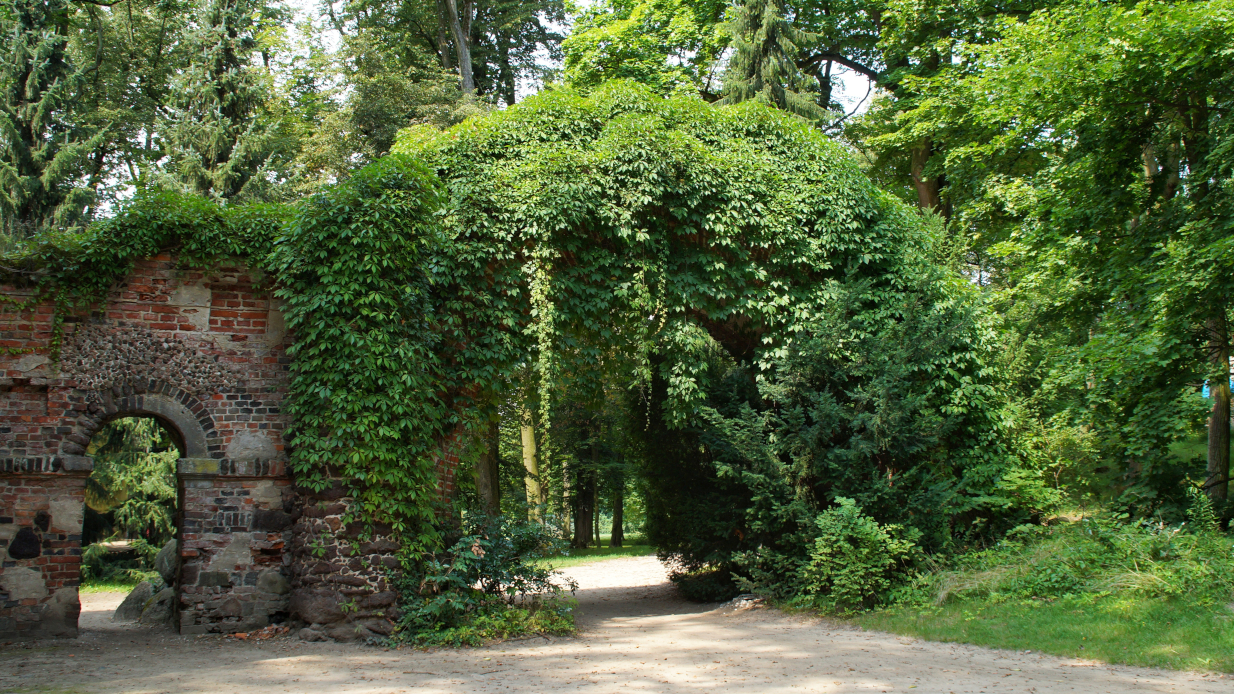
[205,352]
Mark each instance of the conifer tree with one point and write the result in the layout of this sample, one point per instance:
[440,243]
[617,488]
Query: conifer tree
[764,66]
[43,134]
[221,135]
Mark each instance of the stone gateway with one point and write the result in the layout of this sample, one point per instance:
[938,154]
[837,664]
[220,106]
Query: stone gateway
[205,353]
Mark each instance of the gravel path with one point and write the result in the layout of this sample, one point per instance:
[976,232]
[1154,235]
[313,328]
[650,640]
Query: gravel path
[636,635]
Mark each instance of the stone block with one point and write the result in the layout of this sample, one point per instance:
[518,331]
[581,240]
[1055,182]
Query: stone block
[319,607]
[23,583]
[67,514]
[271,520]
[273,581]
[130,609]
[230,607]
[76,463]
[25,545]
[214,579]
[199,466]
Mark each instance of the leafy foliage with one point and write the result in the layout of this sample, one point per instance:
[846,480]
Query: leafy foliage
[1102,223]
[487,584]
[45,129]
[854,559]
[887,401]
[665,44]
[366,377]
[1099,555]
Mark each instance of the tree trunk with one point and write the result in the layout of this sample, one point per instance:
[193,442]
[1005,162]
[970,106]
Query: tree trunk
[618,536]
[595,490]
[1219,418]
[585,498]
[488,486]
[462,47]
[928,197]
[567,505]
[535,491]
[443,29]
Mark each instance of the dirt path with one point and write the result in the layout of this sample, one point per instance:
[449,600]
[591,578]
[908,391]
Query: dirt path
[637,636]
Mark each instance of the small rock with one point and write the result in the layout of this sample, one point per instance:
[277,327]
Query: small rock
[165,561]
[130,610]
[307,634]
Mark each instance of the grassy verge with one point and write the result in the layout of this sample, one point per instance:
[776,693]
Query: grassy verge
[1103,587]
[1129,629]
[115,585]
[593,554]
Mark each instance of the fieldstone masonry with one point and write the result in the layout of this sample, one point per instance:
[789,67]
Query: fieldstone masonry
[205,353]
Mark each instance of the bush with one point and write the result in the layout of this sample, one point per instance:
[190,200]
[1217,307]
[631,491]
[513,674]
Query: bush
[132,567]
[486,585]
[855,560]
[1095,556]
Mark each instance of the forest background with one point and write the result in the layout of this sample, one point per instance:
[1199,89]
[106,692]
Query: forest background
[1074,156]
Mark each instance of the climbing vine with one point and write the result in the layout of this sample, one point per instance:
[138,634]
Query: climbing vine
[556,231]
[73,270]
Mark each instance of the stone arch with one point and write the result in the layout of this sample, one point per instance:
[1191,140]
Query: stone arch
[184,415]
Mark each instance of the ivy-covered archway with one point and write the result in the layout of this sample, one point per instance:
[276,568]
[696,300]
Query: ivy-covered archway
[573,223]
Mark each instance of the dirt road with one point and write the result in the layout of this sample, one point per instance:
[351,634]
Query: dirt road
[636,636]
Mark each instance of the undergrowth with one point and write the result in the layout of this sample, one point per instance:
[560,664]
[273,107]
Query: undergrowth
[491,583]
[1137,592]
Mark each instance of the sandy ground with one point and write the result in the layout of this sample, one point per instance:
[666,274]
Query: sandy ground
[636,636]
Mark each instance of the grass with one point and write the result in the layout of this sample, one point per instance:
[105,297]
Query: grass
[1100,588]
[109,585]
[1127,629]
[593,554]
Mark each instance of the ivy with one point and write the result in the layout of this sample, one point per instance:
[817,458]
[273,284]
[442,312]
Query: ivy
[557,231]
[73,270]
[370,368]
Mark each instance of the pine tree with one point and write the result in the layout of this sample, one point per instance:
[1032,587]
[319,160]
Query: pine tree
[764,65]
[221,134]
[43,139]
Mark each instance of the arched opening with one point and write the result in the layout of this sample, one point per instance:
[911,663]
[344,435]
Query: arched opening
[134,507]
[132,522]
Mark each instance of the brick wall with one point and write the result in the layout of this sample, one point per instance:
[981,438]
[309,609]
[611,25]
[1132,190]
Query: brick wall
[206,354]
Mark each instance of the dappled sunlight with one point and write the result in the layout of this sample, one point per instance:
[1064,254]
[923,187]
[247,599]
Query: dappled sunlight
[636,635]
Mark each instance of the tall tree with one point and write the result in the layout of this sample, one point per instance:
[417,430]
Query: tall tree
[460,29]
[503,41]
[46,134]
[223,137]
[665,44]
[1091,150]
[789,54]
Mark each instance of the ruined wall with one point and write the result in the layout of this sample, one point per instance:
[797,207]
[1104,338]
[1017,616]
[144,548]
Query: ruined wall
[204,352]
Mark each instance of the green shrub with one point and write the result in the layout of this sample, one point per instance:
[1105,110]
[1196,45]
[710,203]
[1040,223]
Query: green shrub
[1096,556]
[487,584]
[855,560]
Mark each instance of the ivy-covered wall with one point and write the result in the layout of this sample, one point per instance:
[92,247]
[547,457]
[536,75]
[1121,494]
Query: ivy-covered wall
[204,351]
